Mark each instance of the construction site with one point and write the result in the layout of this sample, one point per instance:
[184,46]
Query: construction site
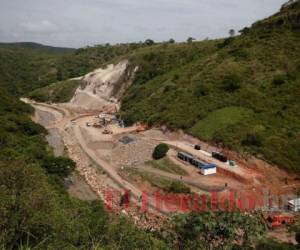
[110,156]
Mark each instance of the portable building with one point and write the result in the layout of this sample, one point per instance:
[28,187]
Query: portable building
[205,168]
[185,157]
[208,169]
[294,205]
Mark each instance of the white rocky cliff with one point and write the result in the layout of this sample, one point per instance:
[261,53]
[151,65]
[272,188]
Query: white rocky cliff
[103,87]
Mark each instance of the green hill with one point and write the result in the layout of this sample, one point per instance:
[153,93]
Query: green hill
[37,46]
[241,92]
[26,68]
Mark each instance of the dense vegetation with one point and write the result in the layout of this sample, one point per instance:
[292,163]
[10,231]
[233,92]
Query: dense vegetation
[241,92]
[37,47]
[26,67]
[35,211]
[57,92]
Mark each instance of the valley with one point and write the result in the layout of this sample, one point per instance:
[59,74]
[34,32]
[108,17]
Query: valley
[110,156]
[190,144]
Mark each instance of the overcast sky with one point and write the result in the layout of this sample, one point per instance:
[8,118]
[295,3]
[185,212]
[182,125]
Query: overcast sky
[77,23]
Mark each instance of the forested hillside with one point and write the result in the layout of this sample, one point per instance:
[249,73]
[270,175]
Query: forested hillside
[25,68]
[241,92]
[37,47]
[37,213]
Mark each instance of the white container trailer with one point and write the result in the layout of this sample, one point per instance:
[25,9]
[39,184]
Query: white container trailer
[209,169]
[294,205]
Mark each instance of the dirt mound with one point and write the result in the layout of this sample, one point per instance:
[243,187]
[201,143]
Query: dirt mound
[103,87]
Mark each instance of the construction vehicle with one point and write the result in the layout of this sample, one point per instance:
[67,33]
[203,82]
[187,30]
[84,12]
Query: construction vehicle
[276,220]
[107,132]
[232,163]
[219,156]
[97,125]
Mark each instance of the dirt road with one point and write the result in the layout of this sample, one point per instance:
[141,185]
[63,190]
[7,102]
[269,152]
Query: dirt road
[63,118]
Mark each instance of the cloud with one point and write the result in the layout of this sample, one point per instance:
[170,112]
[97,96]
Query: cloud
[39,27]
[76,23]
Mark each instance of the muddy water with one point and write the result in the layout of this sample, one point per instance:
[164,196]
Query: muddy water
[54,138]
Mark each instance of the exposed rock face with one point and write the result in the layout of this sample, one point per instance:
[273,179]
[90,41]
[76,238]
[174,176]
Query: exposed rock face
[103,87]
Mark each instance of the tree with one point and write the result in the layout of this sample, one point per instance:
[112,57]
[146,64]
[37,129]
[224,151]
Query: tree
[231,83]
[219,230]
[279,80]
[149,42]
[245,31]
[201,90]
[252,139]
[298,237]
[28,205]
[171,40]
[61,166]
[232,32]
[59,75]
[160,151]
[190,39]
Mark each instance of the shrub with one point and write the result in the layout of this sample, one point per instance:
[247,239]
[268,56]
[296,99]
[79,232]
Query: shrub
[171,40]
[252,139]
[61,166]
[279,80]
[160,151]
[201,90]
[149,42]
[231,83]
[190,39]
[245,31]
[178,188]
[226,42]
[298,237]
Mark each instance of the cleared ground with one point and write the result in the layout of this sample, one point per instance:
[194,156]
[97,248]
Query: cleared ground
[104,161]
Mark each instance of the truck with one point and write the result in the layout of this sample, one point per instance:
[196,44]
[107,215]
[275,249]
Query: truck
[219,156]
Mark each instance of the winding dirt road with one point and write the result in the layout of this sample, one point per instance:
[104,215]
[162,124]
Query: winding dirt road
[63,118]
